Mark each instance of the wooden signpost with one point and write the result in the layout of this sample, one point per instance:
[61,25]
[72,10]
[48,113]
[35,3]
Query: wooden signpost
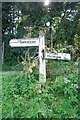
[42,53]
[24,42]
[58,56]
[42,65]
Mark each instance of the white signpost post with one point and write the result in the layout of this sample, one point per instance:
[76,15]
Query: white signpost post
[42,53]
[42,66]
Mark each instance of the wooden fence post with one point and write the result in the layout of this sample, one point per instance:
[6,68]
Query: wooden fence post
[42,63]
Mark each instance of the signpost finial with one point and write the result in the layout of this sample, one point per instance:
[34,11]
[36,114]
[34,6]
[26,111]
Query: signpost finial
[41,33]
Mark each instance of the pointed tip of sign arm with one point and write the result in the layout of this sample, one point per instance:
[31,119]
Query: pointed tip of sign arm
[69,57]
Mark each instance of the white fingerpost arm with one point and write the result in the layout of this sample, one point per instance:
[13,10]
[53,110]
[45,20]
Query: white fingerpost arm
[42,63]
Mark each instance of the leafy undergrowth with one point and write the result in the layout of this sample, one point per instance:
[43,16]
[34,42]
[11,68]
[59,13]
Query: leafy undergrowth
[58,97]
[6,67]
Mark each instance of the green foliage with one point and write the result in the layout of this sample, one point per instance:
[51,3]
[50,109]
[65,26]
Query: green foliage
[6,67]
[18,18]
[58,97]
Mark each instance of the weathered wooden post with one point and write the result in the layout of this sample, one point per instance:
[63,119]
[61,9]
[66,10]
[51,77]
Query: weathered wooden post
[42,63]
[3,54]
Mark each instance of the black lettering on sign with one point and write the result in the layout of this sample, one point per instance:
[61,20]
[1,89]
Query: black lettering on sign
[33,41]
[55,53]
[22,42]
[58,56]
[27,41]
[51,56]
[54,56]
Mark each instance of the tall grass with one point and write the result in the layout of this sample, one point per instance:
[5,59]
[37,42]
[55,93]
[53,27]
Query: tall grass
[58,97]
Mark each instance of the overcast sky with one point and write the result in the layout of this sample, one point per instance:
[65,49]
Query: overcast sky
[39,0]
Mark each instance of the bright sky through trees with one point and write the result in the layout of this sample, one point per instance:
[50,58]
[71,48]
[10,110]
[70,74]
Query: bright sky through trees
[46,2]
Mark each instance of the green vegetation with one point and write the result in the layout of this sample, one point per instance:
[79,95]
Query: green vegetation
[22,96]
[21,20]
[6,67]
[58,97]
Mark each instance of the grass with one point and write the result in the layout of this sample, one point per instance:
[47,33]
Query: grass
[58,99]
[6,67]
